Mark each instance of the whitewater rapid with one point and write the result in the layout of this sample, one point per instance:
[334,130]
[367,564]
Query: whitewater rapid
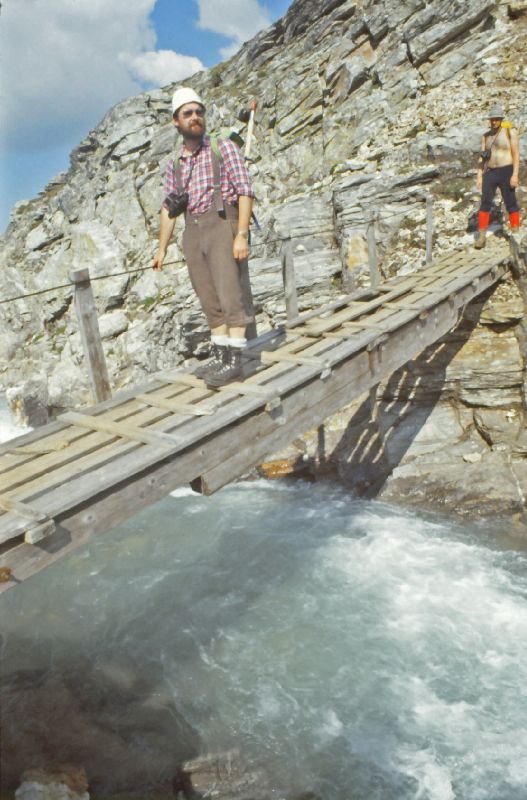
[345,647]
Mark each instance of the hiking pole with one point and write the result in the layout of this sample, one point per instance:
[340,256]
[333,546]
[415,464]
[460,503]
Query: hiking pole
[251,330]
[248,143]
[250,128]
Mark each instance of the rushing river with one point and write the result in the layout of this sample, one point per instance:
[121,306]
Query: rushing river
[345,647]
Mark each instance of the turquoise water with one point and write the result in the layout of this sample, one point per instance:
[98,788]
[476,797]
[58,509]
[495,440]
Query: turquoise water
[343,646]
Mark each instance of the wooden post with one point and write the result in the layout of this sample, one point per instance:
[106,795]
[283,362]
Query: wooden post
[90,335]
[429,227]
[288,277]
[372,252]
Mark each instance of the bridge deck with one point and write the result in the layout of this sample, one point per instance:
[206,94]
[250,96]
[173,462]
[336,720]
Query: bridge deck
[88,471]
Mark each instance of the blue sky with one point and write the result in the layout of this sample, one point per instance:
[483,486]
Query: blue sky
[64,63]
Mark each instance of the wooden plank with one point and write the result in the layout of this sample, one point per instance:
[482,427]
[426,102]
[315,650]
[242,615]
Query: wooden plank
[79,527]
[82,489]
[357,326]
[63,439]
[47,435]
[175,406]
[23,510]
[79,446]
[286,380]
[84,462]
[112,505]
[275,395]
[270,397]
[185,378]
[123,430]
[233,389]
[401,351]
[351,313]
[418,309]
[291,358]
[36,524]
[389,325]
[334,305]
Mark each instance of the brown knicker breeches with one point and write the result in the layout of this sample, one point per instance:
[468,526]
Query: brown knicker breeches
[214,272]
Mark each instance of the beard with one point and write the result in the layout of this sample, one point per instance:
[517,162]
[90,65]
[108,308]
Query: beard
[194,132]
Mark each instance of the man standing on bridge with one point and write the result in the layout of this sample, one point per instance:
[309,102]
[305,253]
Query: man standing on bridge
[499,164]
[210,185]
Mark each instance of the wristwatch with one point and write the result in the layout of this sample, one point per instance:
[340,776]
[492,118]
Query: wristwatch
[245,234]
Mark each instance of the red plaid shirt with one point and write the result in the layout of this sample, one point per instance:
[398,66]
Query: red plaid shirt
[234,178]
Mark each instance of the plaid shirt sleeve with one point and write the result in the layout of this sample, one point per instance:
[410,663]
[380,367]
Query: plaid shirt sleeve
[235,169]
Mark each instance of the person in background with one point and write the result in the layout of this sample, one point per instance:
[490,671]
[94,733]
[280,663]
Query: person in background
[210,185]
[499,164]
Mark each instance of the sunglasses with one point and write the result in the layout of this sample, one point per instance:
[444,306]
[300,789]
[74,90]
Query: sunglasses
[199,112]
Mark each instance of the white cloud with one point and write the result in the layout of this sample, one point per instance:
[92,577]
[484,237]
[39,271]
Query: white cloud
[65,63]
[239,20]
[60,70]
[160,67]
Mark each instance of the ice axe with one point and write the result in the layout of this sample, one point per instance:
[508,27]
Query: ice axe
[250,128]
[248,143]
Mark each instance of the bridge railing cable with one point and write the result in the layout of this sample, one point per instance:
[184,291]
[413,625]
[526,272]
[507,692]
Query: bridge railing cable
[368,220]
[81,283]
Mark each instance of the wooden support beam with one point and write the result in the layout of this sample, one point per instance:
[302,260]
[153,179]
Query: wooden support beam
[90,335]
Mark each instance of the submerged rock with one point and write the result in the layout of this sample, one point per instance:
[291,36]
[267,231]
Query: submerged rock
[64,783]
[223,776]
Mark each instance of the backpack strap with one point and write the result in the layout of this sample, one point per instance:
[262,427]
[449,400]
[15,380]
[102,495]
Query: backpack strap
[217,152]
[507,129]
[177,172]
[217,161]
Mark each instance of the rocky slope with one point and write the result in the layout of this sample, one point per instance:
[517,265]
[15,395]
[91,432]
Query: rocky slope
[362,107]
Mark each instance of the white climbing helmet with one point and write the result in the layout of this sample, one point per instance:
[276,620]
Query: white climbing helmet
[185,95]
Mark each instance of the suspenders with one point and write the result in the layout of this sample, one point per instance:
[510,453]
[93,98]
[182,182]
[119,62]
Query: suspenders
[216,178]
[218,197]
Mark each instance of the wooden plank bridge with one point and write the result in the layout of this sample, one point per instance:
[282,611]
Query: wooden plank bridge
[90,470]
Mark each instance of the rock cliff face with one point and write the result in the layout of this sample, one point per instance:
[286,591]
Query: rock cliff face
[362,106]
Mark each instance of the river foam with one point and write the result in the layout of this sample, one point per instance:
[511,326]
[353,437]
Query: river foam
[8,428]
[343,646]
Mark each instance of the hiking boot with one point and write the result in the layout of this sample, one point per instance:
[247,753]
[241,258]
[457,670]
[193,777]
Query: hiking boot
[481,240]
[228,371]
[218,353]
